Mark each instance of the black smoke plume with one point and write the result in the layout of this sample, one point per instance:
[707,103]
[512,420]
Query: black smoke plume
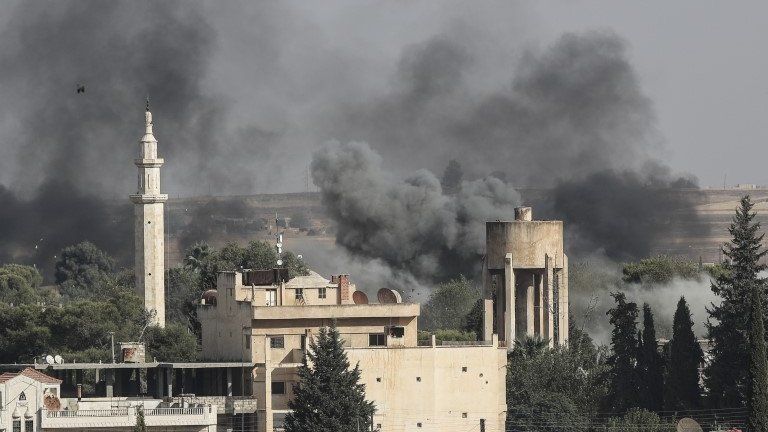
[75,75]
[573,122]
[411,225]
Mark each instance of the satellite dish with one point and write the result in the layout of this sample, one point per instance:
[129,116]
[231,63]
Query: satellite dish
[57,358]
[388,296]
[49,359]
[279,262]
[359,297]
[688,425]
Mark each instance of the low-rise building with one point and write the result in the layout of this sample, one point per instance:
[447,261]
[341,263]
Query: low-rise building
[267,319]
[31,401]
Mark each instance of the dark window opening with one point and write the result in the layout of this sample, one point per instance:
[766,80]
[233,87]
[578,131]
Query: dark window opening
[278,387]
[377,339]
[397,332]
[277,342]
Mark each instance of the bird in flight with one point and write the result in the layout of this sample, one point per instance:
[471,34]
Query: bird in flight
[81,88]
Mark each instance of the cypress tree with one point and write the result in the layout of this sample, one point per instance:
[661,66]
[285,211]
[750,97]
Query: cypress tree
[140,424]
[726,374]
[623,387]
[328,396]
[650,365]
[757,384]
[682,388]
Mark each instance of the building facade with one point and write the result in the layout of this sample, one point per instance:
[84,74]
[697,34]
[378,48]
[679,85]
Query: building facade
[265,318]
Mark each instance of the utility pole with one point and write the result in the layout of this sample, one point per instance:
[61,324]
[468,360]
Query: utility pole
[112,337]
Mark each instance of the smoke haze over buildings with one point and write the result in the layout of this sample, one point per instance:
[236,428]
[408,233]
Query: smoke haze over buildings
[463,86]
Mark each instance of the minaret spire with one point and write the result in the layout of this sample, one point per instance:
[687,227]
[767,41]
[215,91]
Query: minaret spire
[149,231]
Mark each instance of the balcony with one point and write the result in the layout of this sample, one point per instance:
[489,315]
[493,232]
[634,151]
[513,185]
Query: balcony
[126,417]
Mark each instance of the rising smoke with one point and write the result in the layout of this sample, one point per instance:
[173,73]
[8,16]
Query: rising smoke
[411,225]
[560,116]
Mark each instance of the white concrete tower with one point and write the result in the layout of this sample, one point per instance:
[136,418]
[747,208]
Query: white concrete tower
[149,229]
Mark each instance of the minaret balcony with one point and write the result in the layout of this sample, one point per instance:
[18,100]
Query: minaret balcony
[149,163]
[148,198]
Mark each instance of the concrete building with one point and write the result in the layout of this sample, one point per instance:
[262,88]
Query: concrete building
[149,267]
[267,319]
[525,279]
[32,401]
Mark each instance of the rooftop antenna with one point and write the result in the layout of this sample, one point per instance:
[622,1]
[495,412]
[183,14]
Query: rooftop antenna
[147,102]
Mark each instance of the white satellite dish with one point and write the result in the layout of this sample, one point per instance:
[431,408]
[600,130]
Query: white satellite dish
[58,359]
[279,262]
[49,359]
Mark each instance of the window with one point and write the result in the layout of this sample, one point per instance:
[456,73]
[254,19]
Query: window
[397,332]
[463,368]
[271,297]
[278,387]
[22,396]
[377,339]
[277,342]
[17,426]
[463,415]
[321,293]
[29,425]
[299,293]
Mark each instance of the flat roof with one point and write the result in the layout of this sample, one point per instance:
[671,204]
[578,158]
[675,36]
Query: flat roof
[150,365]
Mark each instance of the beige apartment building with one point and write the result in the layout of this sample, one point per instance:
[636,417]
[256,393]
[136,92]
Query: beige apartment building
[265,318]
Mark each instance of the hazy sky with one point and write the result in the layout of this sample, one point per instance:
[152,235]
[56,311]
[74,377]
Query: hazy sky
[701,62]
[284,67]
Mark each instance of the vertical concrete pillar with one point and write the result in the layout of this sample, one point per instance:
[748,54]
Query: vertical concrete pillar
[229,381]
[267,396]
[109,383]
[169,381]
[509,291]
[487,303]
[548,300]
[158,382]
[563,302]
[538,305]
[530,307]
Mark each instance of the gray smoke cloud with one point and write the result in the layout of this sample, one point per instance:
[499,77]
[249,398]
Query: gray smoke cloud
[411,225]
[452,89]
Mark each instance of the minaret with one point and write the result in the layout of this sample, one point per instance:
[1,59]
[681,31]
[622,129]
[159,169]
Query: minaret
[148,226]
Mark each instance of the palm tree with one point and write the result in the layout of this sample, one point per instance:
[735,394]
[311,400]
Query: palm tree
[196,256]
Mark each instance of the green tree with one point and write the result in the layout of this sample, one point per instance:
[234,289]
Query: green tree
[553,389]
[473,321]
[174,343]
[757,379]
[328,396]
[197,255]
[660,269]
[300,220]
[183,290]
[638,419]
[83,271]
[295,265]
[623,378]
[452,176]
[449,305]
[140,424]
[20,284]
[726,374]
[650,365]
[685,355]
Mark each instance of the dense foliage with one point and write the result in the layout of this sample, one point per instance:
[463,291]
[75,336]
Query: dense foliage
[623,377]
[650,365]
[328,396]
[449,305]
[660,269]
[757,375]
[726,374]
[685,355]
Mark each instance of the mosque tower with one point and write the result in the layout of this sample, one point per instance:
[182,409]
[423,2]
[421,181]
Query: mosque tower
[149,230]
